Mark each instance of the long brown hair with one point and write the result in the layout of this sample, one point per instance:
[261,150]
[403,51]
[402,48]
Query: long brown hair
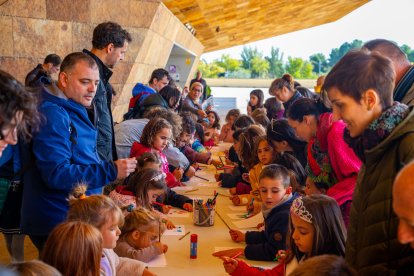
[143,180]
[75,249]
[330,232]
[151,129]
[247,145]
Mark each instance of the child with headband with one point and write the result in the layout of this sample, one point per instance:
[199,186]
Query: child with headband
[316,227]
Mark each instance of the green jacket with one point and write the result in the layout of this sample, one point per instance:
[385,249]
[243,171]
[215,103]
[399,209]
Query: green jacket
[372,246]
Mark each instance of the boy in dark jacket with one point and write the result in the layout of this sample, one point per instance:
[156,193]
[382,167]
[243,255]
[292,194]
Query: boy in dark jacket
[276,194]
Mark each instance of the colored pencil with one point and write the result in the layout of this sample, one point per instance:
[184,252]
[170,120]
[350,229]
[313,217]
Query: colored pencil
[202,178]
[182,237]
[225,223]
[193,190]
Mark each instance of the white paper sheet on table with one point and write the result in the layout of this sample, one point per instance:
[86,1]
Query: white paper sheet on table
[237,208]
[182,188]
[159,261]
[208,184]
[237,216]
[179,230]
[178,213]
[250,222]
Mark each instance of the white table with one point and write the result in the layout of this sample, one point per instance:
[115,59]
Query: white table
[178,255]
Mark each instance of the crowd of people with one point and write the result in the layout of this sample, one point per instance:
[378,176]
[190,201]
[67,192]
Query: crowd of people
[330,171]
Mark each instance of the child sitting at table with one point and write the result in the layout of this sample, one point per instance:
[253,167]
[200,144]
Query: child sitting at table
[151,160]
[315,228]
[198,141]
[265,156]
[155,136]
[276,194]
[142,189]
[102,212]
[212,131]
[140,236]
[226,134]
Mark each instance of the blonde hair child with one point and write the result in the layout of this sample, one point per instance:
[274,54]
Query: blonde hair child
[34,268]
[140,238]
[74,248]
[102,212]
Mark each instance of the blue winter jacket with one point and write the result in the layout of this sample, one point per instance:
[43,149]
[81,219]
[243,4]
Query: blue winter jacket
[265,244]
[65,153]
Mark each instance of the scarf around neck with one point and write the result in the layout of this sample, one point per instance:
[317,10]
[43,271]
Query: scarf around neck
[319,167]
[378,130]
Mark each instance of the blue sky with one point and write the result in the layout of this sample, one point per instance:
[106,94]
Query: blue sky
[390,19]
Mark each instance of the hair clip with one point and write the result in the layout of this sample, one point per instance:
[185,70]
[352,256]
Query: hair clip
[300,210]
[82,196]
[158,177]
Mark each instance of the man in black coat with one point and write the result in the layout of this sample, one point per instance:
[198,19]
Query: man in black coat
[109,45]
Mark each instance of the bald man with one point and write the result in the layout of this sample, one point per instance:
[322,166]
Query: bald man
[404,70]
[403,204]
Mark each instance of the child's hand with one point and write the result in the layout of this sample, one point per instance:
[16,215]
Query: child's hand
[190,172]
[178,173]
[188,207]
[169,224]
[237,236]
[162,248]
[233,191]
[217,176]
[219,183]
[229,264]
[231,253]
[260,225]
[235,199]
[166,209]
[146,272]
[215,162]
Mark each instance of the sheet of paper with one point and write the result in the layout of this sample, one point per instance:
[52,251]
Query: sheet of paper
[159,261]
[179,230]
[208,184]
[250,222]
[178,213]
[218,248]
[182,188]
[237,208]
[237,216]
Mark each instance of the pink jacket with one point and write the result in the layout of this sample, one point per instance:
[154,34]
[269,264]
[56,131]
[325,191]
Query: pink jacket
[345,164]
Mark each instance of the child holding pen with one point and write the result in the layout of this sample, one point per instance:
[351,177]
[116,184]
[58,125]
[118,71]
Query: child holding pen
[140,236]
[276,194]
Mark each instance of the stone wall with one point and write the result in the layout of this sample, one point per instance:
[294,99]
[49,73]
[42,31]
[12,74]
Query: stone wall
[32,29]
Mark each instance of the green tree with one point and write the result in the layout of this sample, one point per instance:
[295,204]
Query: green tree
[299,68]
[319,63]
[210,70]
[230,64]
[247,54]
[276,68]
[259,67]
[337,53]
[408,51]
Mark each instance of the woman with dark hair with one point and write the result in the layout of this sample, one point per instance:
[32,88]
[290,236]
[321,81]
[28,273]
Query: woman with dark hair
[284,90]
[168,97]
[274,109]
[18,119]
[380,131]
[283,138]
[256,101]
[330,159]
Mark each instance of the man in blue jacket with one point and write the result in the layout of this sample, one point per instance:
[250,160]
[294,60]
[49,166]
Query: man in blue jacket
[65,151]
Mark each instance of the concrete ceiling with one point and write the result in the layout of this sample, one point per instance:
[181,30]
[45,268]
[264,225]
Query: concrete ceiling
[221,24]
